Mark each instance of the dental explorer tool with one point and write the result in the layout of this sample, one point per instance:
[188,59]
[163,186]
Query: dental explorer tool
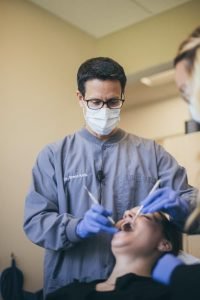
[94,200]
[151,191]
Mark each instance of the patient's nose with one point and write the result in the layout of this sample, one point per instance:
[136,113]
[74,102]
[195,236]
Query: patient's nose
[128,214]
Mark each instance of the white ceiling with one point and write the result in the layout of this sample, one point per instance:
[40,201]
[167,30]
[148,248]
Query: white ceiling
[102,17]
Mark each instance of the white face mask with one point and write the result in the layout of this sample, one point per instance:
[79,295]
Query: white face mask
[194,105]
[194,113]
[102,121]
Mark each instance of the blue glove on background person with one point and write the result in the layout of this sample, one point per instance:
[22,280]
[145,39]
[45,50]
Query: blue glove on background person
[164,268]
[168,201]
[94,221]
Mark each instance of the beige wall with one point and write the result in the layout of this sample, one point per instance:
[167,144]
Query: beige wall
[157,120]
[145,45]
[39,57]
[153,41]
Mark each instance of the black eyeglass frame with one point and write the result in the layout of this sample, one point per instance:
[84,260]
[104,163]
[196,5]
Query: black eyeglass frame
[104,102]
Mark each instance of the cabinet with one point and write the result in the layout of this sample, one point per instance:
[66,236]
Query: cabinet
[186,150]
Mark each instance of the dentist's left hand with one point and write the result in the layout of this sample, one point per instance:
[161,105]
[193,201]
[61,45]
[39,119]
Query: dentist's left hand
[168,201]
[94,221]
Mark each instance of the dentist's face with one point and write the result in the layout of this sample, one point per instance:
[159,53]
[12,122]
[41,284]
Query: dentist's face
[141,237]
[102,122]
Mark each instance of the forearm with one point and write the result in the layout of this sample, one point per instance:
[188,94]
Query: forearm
[174,176]
[47,228]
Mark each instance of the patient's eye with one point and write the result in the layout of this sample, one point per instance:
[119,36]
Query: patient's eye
[148,217]
[152,218]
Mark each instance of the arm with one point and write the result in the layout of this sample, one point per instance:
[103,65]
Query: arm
[47,222]
[182,279]
[43,223]
[176,197]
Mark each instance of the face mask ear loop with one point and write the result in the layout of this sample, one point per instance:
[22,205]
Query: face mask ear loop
[84,107]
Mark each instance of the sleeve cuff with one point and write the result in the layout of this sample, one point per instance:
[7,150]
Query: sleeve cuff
[71,231]
[164,268]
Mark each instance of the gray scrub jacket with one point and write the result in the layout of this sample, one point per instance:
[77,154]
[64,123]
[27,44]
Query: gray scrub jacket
[57,199]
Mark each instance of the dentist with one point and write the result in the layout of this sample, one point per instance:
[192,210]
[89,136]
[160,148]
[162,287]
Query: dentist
[118,168]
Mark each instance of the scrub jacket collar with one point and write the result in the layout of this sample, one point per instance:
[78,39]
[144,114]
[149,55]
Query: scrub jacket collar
[115,138]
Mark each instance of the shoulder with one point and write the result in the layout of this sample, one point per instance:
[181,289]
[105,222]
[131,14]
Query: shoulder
[142,143]
[185,273]
[56,146]
[131,283]
[150,145]
[157,290]
[52,152]
[185,282]
[138,140]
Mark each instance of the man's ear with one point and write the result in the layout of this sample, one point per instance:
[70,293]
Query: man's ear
[80,98]
[165,246]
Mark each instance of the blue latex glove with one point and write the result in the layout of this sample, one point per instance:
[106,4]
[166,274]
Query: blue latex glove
[95,220]
[168,201]
[164,268]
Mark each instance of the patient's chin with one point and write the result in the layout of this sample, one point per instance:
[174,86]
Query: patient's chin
[118,239]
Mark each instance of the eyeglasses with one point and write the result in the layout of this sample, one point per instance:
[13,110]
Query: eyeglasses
[98,103]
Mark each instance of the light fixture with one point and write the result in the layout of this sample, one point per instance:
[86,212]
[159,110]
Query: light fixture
[159,78]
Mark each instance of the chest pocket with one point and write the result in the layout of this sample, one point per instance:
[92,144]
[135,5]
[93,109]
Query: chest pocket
[130,191]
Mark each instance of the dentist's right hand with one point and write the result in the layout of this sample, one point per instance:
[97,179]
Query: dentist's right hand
[94,221]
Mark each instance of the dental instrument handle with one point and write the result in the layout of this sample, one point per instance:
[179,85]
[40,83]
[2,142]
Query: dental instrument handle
[111,220]
[138,212]
[156,185]
[94,200]
[151,191]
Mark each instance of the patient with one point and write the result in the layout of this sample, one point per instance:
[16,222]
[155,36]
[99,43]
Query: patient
[136,247]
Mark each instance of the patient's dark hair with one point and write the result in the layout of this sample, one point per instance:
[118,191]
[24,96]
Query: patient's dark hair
[103,68]
[172,233]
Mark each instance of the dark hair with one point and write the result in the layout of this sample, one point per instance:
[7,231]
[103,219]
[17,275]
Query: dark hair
[188,54]
[172,233]
[102,68]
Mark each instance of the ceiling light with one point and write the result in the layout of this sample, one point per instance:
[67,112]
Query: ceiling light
[159,78]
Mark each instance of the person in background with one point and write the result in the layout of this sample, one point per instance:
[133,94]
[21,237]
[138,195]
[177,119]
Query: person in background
[118,168]
[184,279]
[136,248]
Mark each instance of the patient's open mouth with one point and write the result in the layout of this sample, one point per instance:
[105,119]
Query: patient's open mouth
[125,225]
